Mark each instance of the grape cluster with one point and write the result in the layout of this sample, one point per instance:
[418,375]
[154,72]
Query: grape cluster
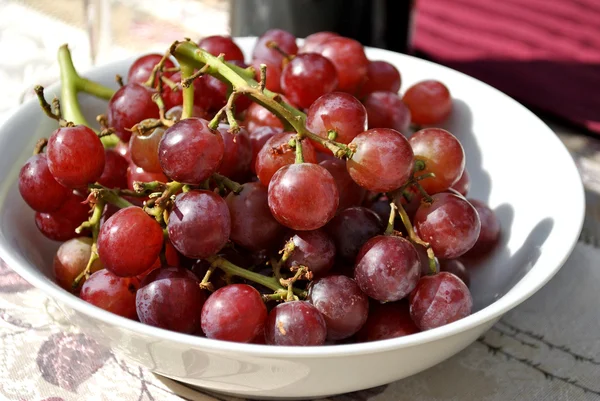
[223,210]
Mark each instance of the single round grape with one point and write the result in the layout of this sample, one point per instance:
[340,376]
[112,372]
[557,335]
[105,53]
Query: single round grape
[60,225]
[388,320]
[234,313]
[38,187]
[140,70]
[75,156]
[341,302]
[387,268]
[273,81]
[257,117]
[200,224]
[313,249]
[70,260]
[143,148]
[122,148]
[339,112]
[284,40]
[258,138]
[252,224]
[307,77]
[438,300]
[450,224]
[303,196]
[237,153]
[443,156]
[225,45]
[131,104]
[463,184]
[174,113]
[386,110]
[349,59]
[115,170]
[351,194]
[135,173]
[351,228]
[490,229]
[313,42]
[111,293]
[457,268]
[277,153]
[383,160]
[129,242]
[381,76]
[295,323]
[190,152]
[429,102]
[171,298]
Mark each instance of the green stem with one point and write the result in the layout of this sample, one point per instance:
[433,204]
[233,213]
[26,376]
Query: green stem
[113,198]
[228,183]
[299,155]
[188,92]
[389,230]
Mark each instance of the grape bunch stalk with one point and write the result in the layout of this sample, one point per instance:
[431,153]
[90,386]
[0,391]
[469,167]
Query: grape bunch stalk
[282,202]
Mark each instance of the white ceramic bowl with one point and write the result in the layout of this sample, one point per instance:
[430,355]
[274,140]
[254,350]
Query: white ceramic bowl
[516,163]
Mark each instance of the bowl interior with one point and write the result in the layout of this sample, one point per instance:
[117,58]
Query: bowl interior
[517,165]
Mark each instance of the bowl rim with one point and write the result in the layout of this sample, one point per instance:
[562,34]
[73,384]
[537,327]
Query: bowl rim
[493,311]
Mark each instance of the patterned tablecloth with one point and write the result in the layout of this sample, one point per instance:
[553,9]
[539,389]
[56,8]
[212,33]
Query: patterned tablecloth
[546,349]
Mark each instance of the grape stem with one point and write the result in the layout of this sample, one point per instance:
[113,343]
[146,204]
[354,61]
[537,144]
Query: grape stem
[156,70]
[109,196]
[299,155]
[205,284]
[39,146]
[188,91]
[94,224]
[389,230]
[227,111]
[228,183]
[301,272]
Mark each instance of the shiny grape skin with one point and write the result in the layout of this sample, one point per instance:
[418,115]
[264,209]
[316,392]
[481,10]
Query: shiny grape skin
[258,138]
[140,70]
[237,153]
[219,44]
[307,77]
[439,300]
[313,42]
[450,224]
[75,156]
[349,59]
[122,148]
[61,224]
[143,148]
[388,320]
[351,228]
[351,194]
[200,224]
[135,173]
[273,74]
[341,302]
[234,313]
[303,196]
[337,111]
[313,249]
[387,268]
[443,155]
[115,170]
[171,298]
[277,153]
[252,224]
[111,293]
[131,104]
[295,323]
[38,187]
[463,184]
[429,102]
[129,242]
[490,229]
[70,260]
[386,110]
[381,76]
[257,116]
[383,160]
[457,268]
[284,40]
[190,152]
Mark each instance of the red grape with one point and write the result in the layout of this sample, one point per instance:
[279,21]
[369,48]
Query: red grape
[490,229]
[383,160]
[60,225]
[443,156]
[457,268]
[351,228]
[257,116]
[234,313]
[135,173]
[112,293]
[339,112]
[307,77]
[131,104]
[38,188]
[214,93]
[190,152]
[122,148]
[313,249]
[143,148]
[296,323]
[225,45]
[463,184]
[71,259]
[277,153]
[171,257]
[349,59]
[175,112]
[258,138]
[129,242]
[387,268]
[75,156]
[273,81]
[385,321]
[429,102]
[381,76]
[303,196]
[313,42]
[115,170]
[438,300]
[450,224]
[284,40]
[140,70]
[200,224]
[351,194]
[252,224]
[343,305]
[386,110]
[173,97]
[237,153]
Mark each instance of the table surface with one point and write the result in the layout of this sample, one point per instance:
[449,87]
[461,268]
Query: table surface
[536,352]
